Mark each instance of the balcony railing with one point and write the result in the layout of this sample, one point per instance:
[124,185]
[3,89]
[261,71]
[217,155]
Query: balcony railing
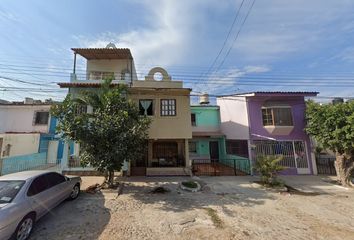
[99,76]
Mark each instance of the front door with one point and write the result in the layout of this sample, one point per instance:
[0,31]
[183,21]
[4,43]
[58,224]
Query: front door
[138,167]
[214,150]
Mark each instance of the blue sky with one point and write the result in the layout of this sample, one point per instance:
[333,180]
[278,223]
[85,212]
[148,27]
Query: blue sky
[297,45]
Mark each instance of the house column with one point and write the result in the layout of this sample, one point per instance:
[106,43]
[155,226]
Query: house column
[186,150]
[250,155]
[64,159]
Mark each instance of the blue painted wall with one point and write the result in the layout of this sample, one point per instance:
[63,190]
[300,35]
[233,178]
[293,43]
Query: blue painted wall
[23,163]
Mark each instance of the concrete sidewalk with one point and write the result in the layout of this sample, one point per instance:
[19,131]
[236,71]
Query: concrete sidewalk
[319,184]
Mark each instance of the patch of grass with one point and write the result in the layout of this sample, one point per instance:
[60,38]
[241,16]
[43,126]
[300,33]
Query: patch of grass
[190,184]
[214,217]
[160,190]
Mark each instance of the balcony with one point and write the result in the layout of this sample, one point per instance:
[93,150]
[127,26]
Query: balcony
[99,76]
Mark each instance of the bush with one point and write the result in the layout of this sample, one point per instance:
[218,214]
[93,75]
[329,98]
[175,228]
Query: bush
[268,167]
[190,184]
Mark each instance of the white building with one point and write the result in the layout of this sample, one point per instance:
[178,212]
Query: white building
[21,126]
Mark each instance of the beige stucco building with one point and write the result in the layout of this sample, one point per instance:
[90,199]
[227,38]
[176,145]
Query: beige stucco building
[165,101]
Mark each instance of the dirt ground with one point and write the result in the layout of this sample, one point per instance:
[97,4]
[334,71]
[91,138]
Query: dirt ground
[226,208]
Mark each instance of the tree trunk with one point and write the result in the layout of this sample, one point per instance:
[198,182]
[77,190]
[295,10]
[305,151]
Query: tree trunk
[344,165]
[111,178]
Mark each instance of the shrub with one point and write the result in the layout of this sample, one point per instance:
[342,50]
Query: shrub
[268,167]
[190,184]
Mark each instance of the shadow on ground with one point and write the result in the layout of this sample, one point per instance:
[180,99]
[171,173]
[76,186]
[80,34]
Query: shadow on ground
[216,191]
[83,218]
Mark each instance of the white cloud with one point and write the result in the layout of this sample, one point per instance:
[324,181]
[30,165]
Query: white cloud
[7,16]
[167,38]
[226,81]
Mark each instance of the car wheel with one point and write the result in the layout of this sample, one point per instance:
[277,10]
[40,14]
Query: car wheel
[75,192]
[24,228]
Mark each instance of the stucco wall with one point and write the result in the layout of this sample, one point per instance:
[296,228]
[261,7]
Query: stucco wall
[207,117]
[297,105]
[234,117]
[20,118]
[114,65]
[298,108]
[21,144]
[167,127]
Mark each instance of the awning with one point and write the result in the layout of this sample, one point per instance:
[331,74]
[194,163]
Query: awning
[207,134]
[104,53]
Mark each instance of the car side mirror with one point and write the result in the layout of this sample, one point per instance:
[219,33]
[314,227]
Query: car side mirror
[67,179]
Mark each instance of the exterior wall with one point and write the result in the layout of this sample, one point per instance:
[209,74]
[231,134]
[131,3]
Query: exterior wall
[298,107]
[20,118]
[21,144]
[234,117]
[167,127]
[113,65]
[203,150]
[22,163]
[207,118]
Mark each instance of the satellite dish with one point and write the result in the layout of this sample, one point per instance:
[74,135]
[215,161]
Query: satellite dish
[111,45]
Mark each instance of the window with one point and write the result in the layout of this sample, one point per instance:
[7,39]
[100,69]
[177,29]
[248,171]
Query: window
[145,107]
[165,150]
[237,147]
[9,190]
[168,107]
[80,109]
[193,119]
[6,152]
[192,147]
[277,116]
[41,118]
[40,184]
[55,179]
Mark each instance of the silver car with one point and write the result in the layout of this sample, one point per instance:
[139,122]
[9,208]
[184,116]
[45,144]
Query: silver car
[27,196]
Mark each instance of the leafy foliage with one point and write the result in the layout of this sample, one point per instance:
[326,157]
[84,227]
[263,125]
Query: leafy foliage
[268,167]
[113,132]
[332,126]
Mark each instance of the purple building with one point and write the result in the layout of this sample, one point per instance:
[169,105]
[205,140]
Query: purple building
[269,123]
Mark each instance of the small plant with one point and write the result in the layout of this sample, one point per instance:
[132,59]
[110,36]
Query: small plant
[190,184]
[214,217]
[268,167]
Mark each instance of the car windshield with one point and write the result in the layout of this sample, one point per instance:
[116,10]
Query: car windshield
[9,190]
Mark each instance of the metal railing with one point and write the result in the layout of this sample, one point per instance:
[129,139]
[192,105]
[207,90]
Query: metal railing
[35,161]
[221,167]
[175,162]
[325,165]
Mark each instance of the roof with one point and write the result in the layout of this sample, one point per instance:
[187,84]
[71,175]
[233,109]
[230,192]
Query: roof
[275,93]
[104,53]
[24,175]
[83,84]
[205,106]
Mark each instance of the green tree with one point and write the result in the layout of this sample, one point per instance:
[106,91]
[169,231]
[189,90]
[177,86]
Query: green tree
[112,133]
[332,126]
[268,167]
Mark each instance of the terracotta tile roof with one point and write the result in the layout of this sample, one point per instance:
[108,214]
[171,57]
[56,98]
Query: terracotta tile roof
[104,53]
[83,84]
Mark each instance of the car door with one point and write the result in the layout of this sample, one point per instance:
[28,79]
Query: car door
[37,194]
[58,188]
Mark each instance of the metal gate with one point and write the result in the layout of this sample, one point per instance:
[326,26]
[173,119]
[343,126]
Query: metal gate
[294,153]
[325,164]
[220,167]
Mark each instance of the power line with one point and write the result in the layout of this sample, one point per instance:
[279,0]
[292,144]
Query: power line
[226,39]
[242,24]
